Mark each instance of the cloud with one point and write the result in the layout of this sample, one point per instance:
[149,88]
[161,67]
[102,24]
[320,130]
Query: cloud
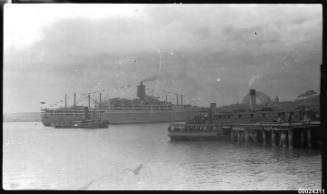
[84,54]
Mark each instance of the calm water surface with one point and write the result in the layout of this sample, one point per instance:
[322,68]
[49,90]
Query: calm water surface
[142,157]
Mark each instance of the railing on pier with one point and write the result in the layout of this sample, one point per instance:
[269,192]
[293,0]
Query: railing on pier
[282,125]
[177,127]
[161,107]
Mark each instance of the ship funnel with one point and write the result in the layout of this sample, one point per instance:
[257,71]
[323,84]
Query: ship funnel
[141,91]
[177,99]
[252,99]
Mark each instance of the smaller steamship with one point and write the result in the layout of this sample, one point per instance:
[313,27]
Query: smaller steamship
[85,123]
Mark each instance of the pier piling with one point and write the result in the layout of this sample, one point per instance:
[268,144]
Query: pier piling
[238,136]
[283,139]
[302,138]
[264,141]
[290,139]
[255,136]
[309,138]
[247,137]
[243,136]
[273,138]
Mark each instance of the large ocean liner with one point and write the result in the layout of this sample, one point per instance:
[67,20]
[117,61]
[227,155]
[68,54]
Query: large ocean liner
[144,109]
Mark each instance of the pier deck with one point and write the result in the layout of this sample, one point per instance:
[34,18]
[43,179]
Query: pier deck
[286,135]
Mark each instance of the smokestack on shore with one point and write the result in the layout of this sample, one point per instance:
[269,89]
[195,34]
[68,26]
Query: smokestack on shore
[177,99]
[182,99]
[212,111]
[252,99]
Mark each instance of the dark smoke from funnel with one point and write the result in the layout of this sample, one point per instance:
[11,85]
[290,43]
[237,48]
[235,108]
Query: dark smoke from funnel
[162,76]
[152,78]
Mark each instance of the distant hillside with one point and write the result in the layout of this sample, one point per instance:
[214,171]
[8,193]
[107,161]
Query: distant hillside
[310,102]
[22,117]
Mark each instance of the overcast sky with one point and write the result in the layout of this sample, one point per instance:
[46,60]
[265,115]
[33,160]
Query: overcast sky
[50,50]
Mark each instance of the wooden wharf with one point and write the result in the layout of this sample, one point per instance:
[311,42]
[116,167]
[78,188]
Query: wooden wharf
[285,135]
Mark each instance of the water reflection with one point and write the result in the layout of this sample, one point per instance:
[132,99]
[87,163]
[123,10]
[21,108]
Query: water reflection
[132,157]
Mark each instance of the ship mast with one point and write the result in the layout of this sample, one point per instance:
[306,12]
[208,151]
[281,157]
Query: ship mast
[65,100]
[74,99]
[89,96]
[100,100]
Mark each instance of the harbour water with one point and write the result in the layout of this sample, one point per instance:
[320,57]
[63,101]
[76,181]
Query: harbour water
[141,157]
